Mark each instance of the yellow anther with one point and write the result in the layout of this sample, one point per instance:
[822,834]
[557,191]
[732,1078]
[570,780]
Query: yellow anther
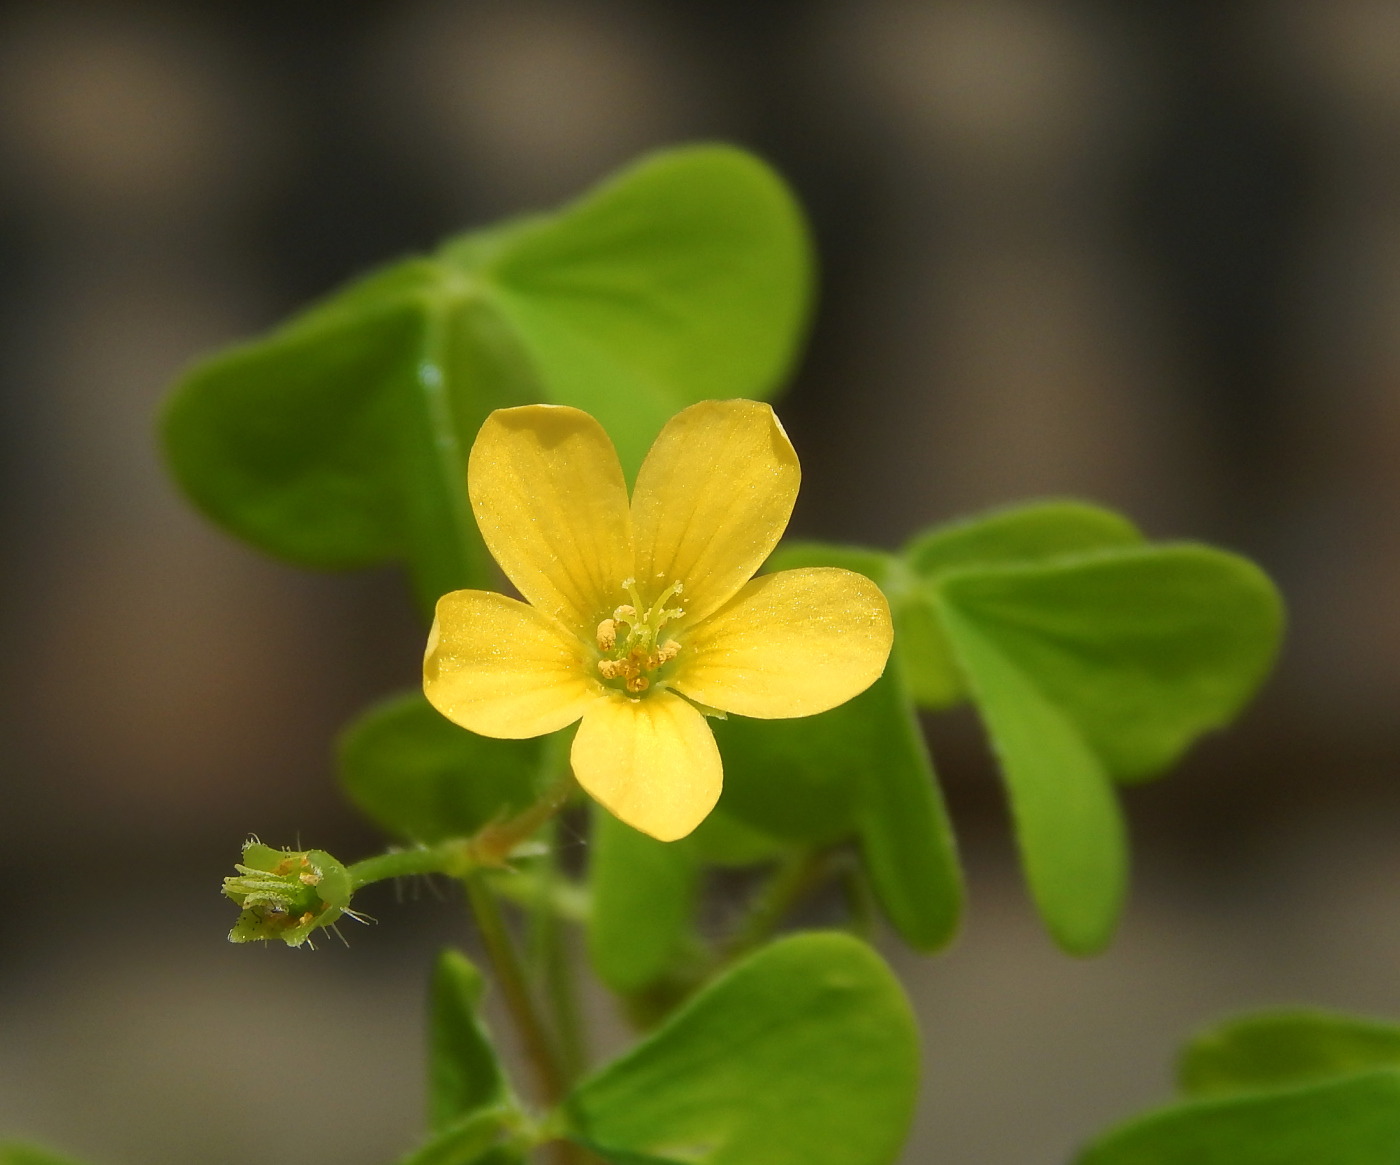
[309,879]
[630,643]
[607,635]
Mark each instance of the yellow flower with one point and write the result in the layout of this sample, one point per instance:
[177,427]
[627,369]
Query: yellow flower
[643,618]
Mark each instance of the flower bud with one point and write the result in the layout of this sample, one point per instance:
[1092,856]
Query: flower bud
[286,895]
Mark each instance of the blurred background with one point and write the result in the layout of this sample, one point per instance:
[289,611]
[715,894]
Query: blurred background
[1141,251]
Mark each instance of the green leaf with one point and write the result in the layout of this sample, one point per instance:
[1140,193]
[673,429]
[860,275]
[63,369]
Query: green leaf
[464,1075]
[722,840]
[1351,1121]
[858,770]
[1277,1049]
[1095,666]
[420,777]
[1068,826]
[905,835]
[805,1053]
[16,1154]
[1020,533]
[643,893]
[1029,532]
[1142,649]
[340,439]
[488,1137]
[862,768]
[687,277]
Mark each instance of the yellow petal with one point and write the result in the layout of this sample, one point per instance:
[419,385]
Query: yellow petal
[712,499]
[500,668]
[652,763]
[551,503]
[789,644]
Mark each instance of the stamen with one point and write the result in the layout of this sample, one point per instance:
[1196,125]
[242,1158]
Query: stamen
[629,640]
[607,635]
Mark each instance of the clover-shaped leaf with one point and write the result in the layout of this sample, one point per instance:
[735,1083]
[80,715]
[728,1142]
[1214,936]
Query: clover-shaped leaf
[1091,657]
[805,1053]
[340,439]
[1099,665]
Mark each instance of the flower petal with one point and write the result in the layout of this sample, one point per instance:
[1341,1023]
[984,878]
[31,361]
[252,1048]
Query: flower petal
[652,763]
[549,496]
[789,644]
[712,499]
[500,668]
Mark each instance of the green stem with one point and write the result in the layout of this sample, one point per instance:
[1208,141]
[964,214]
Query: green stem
[511,977]
[794,878]
[490,847]
[556,970]
[451,857]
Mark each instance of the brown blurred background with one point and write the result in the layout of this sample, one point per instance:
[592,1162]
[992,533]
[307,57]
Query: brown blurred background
[1141,251]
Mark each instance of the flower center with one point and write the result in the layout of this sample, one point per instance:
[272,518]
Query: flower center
[630,642]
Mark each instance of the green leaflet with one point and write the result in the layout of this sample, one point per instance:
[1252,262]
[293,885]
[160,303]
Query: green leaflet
[861,770]
[1090,656]
[1278,1049]
[1099,665]
[806,1053]
[1353,1120]
[1142,648]
[643,893]
[16,1154]
[484,1138]
[340,439]
[1027,532]
[1071,835]
[421,777]
[464,1076]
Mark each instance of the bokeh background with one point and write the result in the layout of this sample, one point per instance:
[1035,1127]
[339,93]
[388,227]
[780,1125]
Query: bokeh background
[1141,251]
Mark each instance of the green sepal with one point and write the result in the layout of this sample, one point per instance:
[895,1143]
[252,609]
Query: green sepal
[286,894]
[1352,1120]
[806,1051]
[1280,1049]
[464,1073]
[340,439]
[18,1154]
[422,778]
